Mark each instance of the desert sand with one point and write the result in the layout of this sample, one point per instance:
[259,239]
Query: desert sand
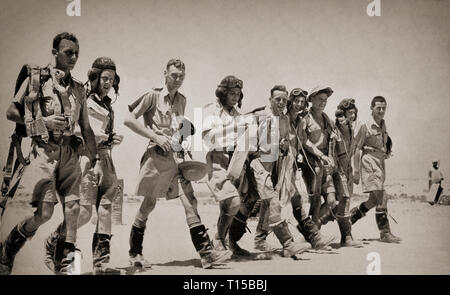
[167,245]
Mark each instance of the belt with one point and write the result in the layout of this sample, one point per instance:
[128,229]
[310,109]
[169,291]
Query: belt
[59,140]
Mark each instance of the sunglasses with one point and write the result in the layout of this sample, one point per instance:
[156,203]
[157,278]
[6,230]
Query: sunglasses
[298,92]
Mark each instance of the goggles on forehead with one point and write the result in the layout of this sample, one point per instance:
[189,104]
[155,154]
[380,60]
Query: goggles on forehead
[233,84]
[298,92]
[348,103]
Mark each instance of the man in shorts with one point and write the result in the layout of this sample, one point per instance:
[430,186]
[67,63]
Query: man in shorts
[54,167]
[370,151]
[96,191]
[163,112]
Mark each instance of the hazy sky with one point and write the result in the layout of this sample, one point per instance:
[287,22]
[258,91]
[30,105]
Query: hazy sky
[402,54]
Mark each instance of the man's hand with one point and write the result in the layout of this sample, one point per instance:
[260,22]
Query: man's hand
[164,143]
[55,122]
[97,171]
[284,146]
[328,161]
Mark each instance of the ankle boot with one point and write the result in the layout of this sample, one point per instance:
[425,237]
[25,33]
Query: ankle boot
[290,247]
[50,246]
[314,209]
[11,246]
[326,214]
[64,257]
[208,255]
[312,234]
[345,226]
[357,213]
[383,225]
[136,240]
[223,226]
[101,255]
[235,233]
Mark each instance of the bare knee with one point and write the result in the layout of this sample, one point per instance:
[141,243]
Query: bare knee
[231,206]
[72,208]
[331,200]
[85,215]
[374,200]
[104,211]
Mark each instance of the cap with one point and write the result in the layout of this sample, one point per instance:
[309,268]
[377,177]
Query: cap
[347,104]
[104,63]
[231,82]
[316,90]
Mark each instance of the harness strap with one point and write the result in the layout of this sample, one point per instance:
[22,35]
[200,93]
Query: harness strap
[35,125]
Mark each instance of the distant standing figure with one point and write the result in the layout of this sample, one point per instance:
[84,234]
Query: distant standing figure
[435,177]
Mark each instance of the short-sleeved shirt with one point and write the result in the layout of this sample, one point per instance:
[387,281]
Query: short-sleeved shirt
[101,115]
[317,135]
[159,112]
[50,102]
[217,127]
[372,137]
[436,176]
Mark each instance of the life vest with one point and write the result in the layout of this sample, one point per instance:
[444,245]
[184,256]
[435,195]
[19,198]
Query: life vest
[64,100]
[34,124]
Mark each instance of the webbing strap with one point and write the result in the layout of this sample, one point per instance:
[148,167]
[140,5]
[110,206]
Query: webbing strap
[34,126]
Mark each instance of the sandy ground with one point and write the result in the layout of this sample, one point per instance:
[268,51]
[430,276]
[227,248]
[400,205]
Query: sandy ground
[167,244]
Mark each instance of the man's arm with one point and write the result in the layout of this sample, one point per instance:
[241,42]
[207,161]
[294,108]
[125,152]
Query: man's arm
[132,122]
[86,132]
[355,148]
[14,114]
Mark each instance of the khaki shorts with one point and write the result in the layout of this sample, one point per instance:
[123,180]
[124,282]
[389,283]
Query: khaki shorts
[343,180]
[159,176]
[218,182]
[98,191]
[54,172]
[373,173]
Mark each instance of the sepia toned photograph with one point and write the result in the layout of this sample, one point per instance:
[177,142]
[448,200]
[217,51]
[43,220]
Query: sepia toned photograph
[225,137]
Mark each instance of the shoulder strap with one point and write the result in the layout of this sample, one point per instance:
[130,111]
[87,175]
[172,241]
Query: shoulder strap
[34,123]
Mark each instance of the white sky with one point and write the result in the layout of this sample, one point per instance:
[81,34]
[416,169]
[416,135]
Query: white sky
[402,54]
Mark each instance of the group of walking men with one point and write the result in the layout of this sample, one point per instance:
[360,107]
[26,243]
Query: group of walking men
[72,130]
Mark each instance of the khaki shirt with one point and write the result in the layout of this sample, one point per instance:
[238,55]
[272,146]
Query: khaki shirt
[372,138]
[219,128]
[159,113]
